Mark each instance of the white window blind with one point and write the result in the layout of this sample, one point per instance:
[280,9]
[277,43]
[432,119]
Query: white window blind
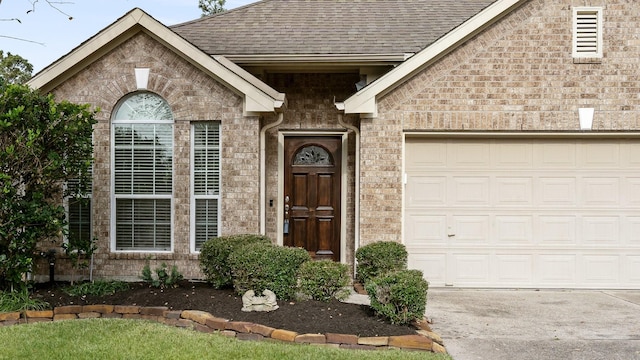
[587,32]
[205,182]
[143,174]
[78,207]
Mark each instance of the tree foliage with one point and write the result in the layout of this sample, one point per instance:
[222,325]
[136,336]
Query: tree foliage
[14,69]
[43,144]
[210,7]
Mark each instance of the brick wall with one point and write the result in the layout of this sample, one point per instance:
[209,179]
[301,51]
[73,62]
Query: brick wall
[310,107]
[193,96]
[517,75]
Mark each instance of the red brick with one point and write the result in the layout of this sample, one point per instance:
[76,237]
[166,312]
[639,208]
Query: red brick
[39,314]
[59,317]
[172,314]
[217,323]
[153,310]
[71,309]
[203,328]
[102,309]
[284,335]
[9,316]
[261,329]
[89,315]
[121,309]
[196,315]
[342,338]
[411,342]
[239,326]
[374,341]
[311,339]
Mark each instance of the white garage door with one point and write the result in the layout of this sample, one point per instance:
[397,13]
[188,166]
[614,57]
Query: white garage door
[524,213]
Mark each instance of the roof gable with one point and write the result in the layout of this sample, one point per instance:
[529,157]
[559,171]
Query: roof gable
[364,101]
[258,97]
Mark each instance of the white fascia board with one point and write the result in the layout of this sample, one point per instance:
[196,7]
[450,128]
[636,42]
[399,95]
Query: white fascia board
[258,96]
[364,101]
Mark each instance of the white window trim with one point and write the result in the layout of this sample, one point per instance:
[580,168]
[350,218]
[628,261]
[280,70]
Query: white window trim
[195,197]
[115,196]
[599,45]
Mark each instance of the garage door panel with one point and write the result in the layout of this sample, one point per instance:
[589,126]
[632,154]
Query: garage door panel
[470,191]
[471,269]
[433,267]
[601,230]
[556,191]
[513,230]
[471,154]
[556,270]
[468,230]
[631,190]
[425,230]
[597,191]
[426,191]
[602,270]
[599,155]
[514,269]
[556,230]
[631,270]
[509,155]
[421,155]
[631,230]
[512,191]
[555,155]
[535,213]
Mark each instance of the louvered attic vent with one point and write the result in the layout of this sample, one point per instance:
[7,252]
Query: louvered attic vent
[587,32]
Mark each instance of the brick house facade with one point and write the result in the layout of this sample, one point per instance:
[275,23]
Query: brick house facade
[502,74]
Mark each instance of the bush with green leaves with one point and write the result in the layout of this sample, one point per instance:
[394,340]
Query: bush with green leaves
[261,266]
[20,300]
[96,288]
[43,145]
[324,280]
[379,258]
[164,277]
[400,296]
[214,256]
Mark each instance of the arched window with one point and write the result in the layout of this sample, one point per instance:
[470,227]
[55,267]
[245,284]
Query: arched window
[142,168]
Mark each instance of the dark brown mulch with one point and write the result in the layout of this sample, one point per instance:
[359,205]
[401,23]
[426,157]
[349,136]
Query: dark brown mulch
[304,317]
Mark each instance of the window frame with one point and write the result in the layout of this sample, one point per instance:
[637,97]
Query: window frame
[195,197]
[581,11]
[115,196]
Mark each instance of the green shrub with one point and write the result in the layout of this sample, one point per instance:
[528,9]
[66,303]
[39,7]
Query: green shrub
[97,288]
[324,280]
[399,296]
[260,266]
[164,278]
[214,256]
[20,300]
[379,258]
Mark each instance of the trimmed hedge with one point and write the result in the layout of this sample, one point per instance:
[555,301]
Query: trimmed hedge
[324,280]
[260,266]
[214,256]
[379,258]
[400,296]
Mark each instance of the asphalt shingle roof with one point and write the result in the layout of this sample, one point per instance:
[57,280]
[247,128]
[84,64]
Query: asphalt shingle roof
[332,27]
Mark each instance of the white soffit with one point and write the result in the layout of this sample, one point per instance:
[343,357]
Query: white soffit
[364,101]
[258,96]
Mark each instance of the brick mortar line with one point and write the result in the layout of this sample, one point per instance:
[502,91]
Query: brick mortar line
[424,339]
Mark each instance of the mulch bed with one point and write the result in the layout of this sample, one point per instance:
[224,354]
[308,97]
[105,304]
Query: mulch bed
[304,317]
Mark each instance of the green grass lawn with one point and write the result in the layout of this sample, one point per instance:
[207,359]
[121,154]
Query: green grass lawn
[131,339]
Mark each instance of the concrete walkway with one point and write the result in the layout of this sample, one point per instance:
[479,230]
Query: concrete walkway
[528,324]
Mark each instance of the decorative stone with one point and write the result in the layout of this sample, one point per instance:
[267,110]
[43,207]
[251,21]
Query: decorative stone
[251,302]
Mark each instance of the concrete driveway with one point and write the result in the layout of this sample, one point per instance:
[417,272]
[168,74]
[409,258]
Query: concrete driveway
[529,324]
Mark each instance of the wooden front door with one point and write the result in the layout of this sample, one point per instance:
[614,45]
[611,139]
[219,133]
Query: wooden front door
[312,195]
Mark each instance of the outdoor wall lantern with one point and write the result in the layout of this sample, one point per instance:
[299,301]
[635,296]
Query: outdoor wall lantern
[586,118]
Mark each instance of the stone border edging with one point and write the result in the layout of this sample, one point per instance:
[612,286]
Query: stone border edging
[424,339]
